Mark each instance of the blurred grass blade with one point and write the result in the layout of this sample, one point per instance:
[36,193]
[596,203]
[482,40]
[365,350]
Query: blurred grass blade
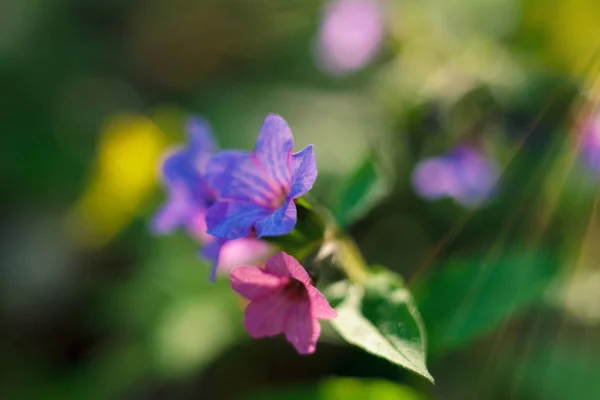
[466,299]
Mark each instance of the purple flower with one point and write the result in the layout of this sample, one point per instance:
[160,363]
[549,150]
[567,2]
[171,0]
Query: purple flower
[350,36]
[182,173]
[257,190]
[189,197]
[282,300]
[590,143]
[465,175]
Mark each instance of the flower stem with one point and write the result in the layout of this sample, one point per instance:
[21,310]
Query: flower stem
[351,259]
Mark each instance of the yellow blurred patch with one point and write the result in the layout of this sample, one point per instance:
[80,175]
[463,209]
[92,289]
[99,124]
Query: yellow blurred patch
[124,176]
[570,29]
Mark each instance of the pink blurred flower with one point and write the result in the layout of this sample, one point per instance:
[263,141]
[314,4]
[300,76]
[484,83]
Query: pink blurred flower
[590,142]
[282,300]
[350,36]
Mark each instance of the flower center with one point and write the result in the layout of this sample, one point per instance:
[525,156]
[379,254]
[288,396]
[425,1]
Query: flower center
[295,289]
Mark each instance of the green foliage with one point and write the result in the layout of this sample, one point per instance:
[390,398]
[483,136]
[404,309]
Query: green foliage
[468,298]
[380,317]
[355,191]
[342,388]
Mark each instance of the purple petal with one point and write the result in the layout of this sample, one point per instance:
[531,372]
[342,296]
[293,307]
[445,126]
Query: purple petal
[201,141]
[304,167]
[319,305]
[175,213]
[253,283]
[267,316]
[282,264]
[237,175]
[434,178]
[281,222]
[273,149]
[301,329]
[212,251]
[232,220]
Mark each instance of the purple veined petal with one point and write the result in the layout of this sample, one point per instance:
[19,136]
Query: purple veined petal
[304,172]
[237,175]
[273,150]
[211,251]
[267,316]
[351,35]
[253,283]
[434,178]
[232,220]
[301,329]
[280,222]
[284,265]
[320,307]
[201,142]
[175,212]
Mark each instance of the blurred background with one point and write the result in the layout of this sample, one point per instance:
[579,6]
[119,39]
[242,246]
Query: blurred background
[473,124]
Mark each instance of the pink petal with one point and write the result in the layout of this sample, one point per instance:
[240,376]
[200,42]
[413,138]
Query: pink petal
[319,305]
[243,251]
[253,283]
[282,264]
[301,329]
[267,316]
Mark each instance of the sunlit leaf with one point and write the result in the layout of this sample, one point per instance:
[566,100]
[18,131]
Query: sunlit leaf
[381,318]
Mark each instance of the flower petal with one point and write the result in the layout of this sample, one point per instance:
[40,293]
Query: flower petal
[201,141]
[179,167]
[212,251]
[301,329]
[273,149]
[304,167]
[243,251]
[175,212]
[254,283]
[267,316]
[232,220]
[320,307]
[282,264]
[281,222]
[238,175]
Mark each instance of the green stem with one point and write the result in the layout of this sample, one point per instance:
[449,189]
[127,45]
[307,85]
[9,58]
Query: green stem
[351,259]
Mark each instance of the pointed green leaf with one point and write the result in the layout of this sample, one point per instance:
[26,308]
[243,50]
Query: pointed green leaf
[381,317]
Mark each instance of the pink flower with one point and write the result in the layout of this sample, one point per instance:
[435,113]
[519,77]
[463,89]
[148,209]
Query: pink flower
[282,300]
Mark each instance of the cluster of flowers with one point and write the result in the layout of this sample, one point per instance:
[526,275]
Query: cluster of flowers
[229,200]
[465,174]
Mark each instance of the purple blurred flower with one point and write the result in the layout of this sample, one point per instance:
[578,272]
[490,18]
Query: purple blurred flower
[590,143]
[465,175]
[350,36]
[189,197]
[257,190]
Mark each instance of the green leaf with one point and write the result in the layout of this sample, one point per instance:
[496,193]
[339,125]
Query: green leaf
[342,388]
[380,317]
[468,298]
[354,196]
